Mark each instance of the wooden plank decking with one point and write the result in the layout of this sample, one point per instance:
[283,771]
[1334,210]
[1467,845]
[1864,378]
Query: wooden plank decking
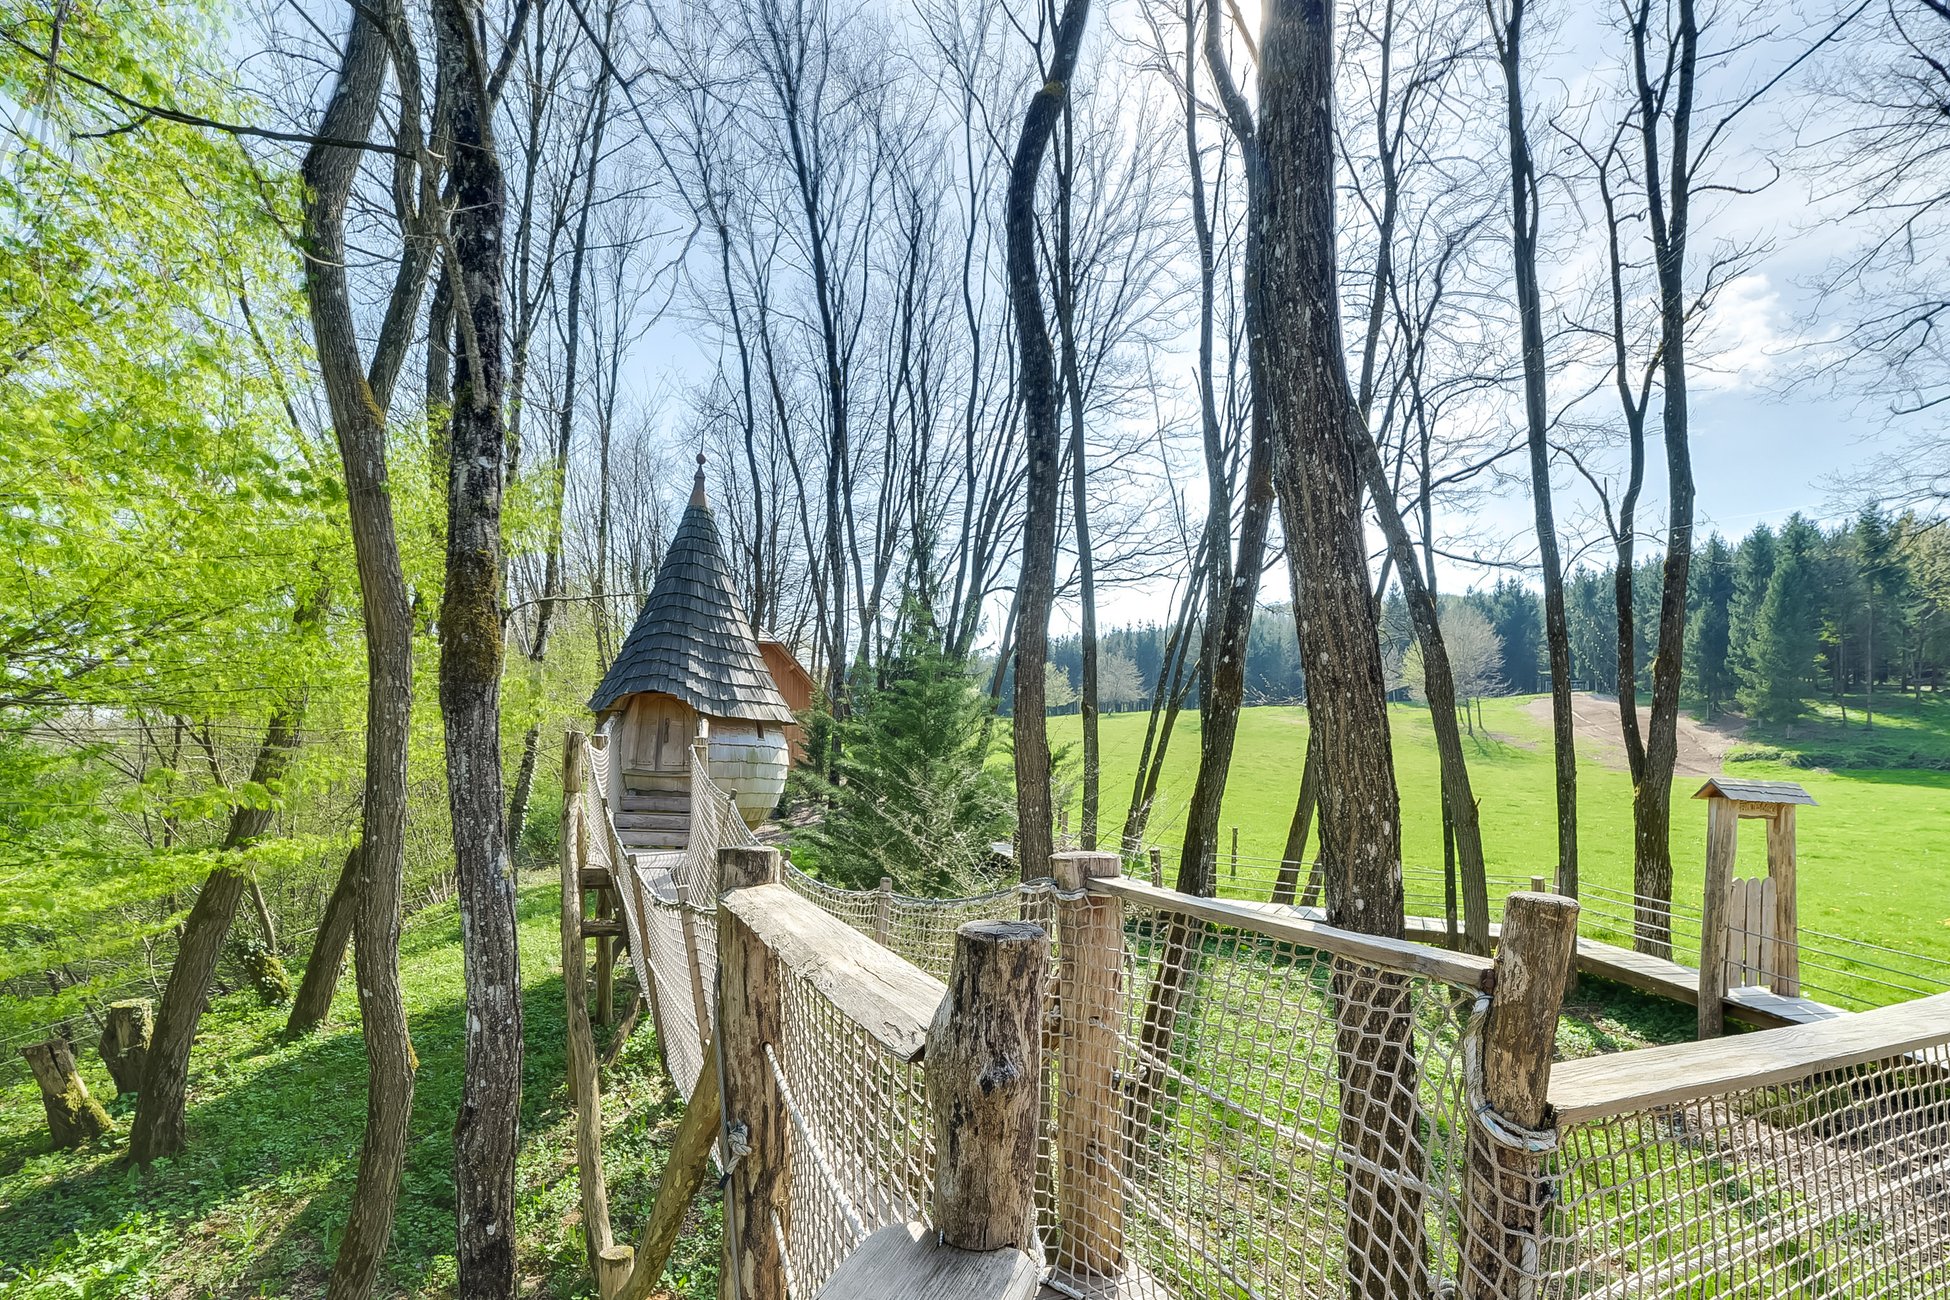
[1754,1005]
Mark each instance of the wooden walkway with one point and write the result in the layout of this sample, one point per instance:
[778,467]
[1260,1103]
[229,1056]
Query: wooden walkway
[1753,1005]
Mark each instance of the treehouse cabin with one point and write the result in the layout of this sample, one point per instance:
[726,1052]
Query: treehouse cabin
[690,683]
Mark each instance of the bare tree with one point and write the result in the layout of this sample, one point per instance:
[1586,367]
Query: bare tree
[329,172]
[1320,496]
[1507,19]
[1035,588]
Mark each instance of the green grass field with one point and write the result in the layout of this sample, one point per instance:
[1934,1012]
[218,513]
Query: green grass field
[1874,855]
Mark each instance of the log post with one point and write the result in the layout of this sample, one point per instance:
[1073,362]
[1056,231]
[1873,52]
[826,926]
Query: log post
[1722,842]
[606,956]
[1089,1122]
[73,1117]
[700,1006]
[984,1077]
[1157,867]
[1235,853]
[584,1089]
[125,1041]
[883,912]
[1507,1193]
[683,1174]
[757,1130]
[1786,966]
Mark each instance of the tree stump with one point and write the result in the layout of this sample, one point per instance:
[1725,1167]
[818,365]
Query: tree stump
[125,1041]
[73,1117]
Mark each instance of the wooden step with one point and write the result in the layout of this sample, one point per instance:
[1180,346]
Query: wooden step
[657,782]
[639,840]
[652,821]
[678,801]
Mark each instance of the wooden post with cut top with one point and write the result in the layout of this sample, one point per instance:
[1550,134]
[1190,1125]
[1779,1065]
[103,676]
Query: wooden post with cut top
[1786,963]
[1722,841]
[750,1016]
[883,912]
[1089,1120]
[984,1079]
[1507,1193]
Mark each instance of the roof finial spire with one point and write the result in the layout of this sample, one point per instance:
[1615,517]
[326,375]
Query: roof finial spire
[697,488]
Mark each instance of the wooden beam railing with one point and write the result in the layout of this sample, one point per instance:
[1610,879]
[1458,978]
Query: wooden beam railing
[1626,1082]
[1461,969]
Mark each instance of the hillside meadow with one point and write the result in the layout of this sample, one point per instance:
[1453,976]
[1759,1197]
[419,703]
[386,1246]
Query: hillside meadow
[1874,853]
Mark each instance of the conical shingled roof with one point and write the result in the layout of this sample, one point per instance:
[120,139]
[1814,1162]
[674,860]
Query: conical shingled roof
[692,639]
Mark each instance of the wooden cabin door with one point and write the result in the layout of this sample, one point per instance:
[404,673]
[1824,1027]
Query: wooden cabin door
[661,727]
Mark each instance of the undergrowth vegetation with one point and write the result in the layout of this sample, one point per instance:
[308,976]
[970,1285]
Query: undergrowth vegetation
[255,1205]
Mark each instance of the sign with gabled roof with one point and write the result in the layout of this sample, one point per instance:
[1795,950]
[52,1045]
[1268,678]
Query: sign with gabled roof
[1726,787]
[692,639]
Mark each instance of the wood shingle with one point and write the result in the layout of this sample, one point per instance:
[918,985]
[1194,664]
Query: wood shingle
[692,639]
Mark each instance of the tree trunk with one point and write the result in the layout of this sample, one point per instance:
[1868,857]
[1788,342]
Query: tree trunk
[1295,853]
[486,1130]
[1524,216]
[1652,801]
[321,979]
[1035,587]
[552,566]
[358,423]
[1320,497]
[1458,800]
[1232,591]
[158,1129]
[1080,501]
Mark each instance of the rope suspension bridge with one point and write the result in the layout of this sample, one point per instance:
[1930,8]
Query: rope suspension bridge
[1211,1097]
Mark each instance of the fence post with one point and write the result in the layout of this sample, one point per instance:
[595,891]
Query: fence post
[1786,966]
[1089,1122]
[883,912]
[1722,839]
[1157,868]
[984,1078]
[1508,1194]
[606,956]
[750,1015]
[584,1085]
[700,1007]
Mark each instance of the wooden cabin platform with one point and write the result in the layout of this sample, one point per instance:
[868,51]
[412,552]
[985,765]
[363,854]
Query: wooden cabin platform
[1753,1005]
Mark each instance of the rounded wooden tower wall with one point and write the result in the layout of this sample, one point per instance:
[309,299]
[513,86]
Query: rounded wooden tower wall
[749,761]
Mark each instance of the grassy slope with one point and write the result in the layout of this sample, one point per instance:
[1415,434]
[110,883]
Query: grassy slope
[254,1207]
[1874,856]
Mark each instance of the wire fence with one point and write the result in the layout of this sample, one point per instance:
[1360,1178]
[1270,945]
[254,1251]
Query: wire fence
[1843,971]
[1831,1181]
[1242,1102]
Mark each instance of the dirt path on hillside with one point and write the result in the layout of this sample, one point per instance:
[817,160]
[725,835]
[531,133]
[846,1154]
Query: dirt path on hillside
[1702,746]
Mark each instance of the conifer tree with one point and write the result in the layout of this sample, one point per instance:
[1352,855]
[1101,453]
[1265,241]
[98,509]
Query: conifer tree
[915,798]
[1753,569]
[1708,627]
[1781,653]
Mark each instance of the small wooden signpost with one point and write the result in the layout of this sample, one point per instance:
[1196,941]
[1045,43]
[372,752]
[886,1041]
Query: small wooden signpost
[1729,801]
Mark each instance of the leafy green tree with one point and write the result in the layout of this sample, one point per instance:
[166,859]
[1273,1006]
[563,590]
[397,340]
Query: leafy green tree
[916,798]
[1781,655]
[1709,680]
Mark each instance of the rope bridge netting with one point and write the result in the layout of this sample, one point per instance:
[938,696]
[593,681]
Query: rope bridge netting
[1281,1109]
